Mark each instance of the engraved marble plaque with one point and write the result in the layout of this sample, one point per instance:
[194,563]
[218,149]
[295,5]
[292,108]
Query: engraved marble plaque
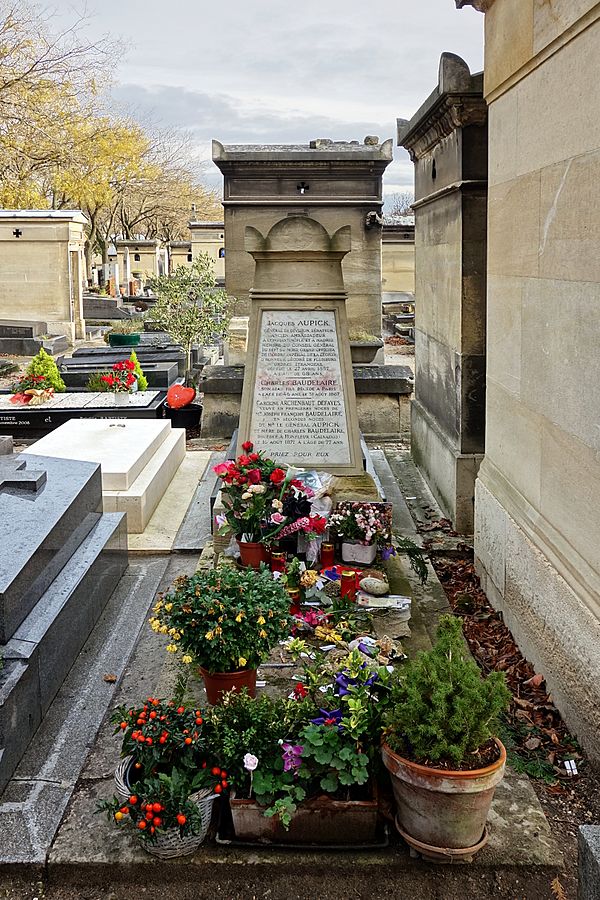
[298,409]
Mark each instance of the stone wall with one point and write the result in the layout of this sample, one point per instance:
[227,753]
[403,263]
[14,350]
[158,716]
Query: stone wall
[537,533]
[447,140]
[398,260]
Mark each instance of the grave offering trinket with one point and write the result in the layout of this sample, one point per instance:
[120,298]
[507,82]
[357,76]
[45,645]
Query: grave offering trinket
[374,586]
[327,556]
[348,584]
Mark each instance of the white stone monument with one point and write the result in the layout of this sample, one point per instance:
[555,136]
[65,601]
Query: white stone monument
[298,401]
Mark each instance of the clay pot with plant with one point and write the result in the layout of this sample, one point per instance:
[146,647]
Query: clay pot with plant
[441,750]
[226,621]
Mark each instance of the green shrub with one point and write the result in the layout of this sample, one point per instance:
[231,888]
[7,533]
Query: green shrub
[95,383]
[141,378]
[125,326]
[44,365]
[442,709]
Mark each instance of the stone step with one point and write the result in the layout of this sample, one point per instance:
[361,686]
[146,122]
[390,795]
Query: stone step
[40,531]
[30,346]
[42,650]
[22,328]
[35,799]
[123,448]
[144,495]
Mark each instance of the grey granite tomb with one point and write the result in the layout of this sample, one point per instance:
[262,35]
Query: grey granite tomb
[61,559]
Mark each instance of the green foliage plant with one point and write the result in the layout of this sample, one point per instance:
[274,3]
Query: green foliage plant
[224,619]
[190,307]
[96,384]
[139,372]
[44,365]
[124,326]
[441,710]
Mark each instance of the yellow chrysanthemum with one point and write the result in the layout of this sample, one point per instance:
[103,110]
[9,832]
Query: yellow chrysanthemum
[262,633]
[168,607]
[242,661]
[218,630]
[163,629]
[209,635]
[239,617]
[171,648]
[261,620]
[186,659]
[172,631]
[155,625]
[158,606]
[270,614]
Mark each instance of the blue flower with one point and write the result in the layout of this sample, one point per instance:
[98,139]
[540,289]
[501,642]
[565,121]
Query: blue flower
[328,718]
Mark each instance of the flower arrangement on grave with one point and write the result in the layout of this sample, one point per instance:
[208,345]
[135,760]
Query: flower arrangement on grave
[44,364]
[121,378]
[363,525]
[282,752]
[263,501]
[167,782]
[170,813]
[225,620]
[32,390]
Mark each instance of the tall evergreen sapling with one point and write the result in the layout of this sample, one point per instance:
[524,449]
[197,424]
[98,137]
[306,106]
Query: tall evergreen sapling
[442,710]
[138,371]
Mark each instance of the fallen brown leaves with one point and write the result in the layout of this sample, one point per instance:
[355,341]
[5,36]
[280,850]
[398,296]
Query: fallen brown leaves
[534,722]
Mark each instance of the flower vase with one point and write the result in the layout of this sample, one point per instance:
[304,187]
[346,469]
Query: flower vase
[252,554]
[357,552]
[121,398]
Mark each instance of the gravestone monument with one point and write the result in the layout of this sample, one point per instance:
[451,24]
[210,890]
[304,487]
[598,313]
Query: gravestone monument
[298,401]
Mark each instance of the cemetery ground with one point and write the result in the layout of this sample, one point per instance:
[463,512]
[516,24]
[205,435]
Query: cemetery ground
[88,860]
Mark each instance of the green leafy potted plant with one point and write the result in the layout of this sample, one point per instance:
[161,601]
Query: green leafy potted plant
[226,620]
[440,747]
[125,333]
[192,310]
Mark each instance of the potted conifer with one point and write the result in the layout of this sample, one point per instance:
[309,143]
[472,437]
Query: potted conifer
[440,747]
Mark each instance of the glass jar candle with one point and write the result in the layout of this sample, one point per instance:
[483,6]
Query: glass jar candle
[327,555]
[295,598]
[348,584]
[277,561]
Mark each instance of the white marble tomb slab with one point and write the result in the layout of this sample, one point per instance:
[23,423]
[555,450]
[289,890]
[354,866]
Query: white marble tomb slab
[123,447]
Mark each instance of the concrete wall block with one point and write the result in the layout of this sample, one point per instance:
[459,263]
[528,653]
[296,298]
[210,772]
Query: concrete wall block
[504,331]
[513,441]
[514,227]
[589,862]
[490,535]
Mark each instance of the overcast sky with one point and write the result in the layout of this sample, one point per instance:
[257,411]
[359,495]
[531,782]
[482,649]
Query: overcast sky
[260,71]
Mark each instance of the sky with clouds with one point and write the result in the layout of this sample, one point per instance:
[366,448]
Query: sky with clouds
[262,71]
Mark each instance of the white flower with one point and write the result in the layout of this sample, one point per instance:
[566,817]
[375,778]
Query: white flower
[257,488]
[277,575]
[246,495]
[250,762]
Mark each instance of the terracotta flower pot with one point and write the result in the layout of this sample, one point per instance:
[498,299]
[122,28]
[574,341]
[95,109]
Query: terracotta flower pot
[218,683]
[442,809]
[252,554]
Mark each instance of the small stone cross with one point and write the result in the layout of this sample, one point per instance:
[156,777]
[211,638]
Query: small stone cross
[13,474]
[17,232]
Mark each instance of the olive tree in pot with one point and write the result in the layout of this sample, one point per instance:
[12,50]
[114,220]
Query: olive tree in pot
[440,747]
[192,310]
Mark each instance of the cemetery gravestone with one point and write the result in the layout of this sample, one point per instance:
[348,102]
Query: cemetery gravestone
[298,401]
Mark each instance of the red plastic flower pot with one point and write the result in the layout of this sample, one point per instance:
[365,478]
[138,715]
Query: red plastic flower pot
[252,554]
[218,683]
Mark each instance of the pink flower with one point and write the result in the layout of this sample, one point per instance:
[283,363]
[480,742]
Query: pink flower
[277,518]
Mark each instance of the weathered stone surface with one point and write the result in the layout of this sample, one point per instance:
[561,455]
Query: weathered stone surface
[589,862]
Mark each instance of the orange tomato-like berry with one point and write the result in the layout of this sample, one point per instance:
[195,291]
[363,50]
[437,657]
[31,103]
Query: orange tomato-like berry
[198,721]
[188,740]
[149,815]
[133,799]
[157,821]
[152,829]
[157,807]
[181,709]
[162,739]
[137,765]
[123,725]
[225,784]
[153,714]
[204,764]
[215,771]
[181,819]
[218,788]
[149,741]
[124,810]
[140,722]
[223,773]
[118,816]
[142,825]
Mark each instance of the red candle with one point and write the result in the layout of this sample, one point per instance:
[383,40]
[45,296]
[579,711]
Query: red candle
[348,584]
[295,598]
[277,562]
[327,556]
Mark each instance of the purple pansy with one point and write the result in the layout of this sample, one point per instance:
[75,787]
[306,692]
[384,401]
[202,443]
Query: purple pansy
[328,718]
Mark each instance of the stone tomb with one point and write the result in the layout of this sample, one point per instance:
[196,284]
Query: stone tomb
[298,401]
[62,558]
[138,459]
